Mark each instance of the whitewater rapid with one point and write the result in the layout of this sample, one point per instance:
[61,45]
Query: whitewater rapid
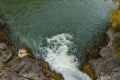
[60,58]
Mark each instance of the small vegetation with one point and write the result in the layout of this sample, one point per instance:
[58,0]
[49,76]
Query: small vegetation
[88,70]
[117,45]
[116,1]
[115,21]
[115,17]
[117,40]
[7,66]
[118,53]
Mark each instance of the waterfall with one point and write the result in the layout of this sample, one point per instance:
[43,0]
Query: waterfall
[60,58]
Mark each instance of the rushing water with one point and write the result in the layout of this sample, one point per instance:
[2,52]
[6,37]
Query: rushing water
[34,22]
[57,54]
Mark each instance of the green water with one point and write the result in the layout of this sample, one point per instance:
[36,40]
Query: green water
[34,20]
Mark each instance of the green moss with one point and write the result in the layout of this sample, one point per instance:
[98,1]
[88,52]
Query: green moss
[87,69]
[117,41]
[115,20]
[7,66]
[56,76]
[116,1]
[117,45]
[118,54]
[116,29]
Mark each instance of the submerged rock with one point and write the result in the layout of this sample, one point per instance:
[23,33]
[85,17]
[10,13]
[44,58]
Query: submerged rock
[3,33]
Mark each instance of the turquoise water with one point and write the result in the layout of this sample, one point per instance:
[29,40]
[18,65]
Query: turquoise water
[33,21]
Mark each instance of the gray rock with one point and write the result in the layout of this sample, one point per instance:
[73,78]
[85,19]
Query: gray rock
[27,69]
[13,67]
[107,67]
[3,46]
[5,53]
[107,51]
[13,76]
[31,69]
[1,66]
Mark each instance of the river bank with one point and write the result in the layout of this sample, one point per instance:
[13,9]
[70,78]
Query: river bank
[17,63]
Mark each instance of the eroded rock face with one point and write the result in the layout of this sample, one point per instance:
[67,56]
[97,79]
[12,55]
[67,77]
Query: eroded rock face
[108,66]
[13,67]
[32,69]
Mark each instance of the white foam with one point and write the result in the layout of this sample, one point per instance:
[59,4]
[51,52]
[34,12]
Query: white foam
[59,60]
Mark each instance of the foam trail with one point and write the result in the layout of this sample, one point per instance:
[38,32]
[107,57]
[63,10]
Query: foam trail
[59,60]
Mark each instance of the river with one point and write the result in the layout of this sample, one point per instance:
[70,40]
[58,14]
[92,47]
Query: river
[58,31]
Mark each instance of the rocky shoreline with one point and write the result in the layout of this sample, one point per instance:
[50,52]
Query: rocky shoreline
[17,63]
[107,66]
